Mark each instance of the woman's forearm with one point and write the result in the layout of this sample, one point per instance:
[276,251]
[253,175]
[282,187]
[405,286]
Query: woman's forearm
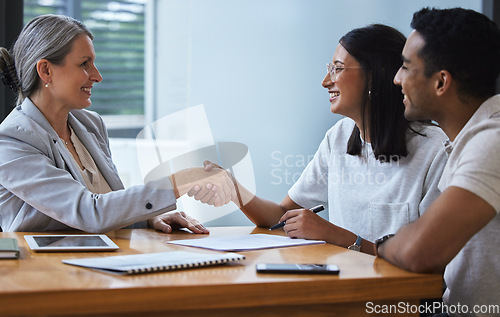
[262,212]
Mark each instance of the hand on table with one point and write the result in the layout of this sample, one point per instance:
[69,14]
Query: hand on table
[175,220]
[305,224]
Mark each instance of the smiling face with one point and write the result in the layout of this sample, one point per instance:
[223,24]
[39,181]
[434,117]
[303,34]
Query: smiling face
[416,87]
[72,81]
[348,87]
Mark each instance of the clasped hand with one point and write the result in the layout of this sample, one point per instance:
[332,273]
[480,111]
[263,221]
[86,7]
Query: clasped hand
[213,187]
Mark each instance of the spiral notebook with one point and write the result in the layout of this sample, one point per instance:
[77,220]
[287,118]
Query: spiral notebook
[154,262]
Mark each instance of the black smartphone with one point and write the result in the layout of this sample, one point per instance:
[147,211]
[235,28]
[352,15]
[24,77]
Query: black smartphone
[297,268]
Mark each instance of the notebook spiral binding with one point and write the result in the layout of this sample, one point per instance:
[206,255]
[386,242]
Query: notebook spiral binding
[178,266]
[153,262]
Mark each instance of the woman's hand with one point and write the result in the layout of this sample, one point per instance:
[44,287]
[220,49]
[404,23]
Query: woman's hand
[175,220]
[236,189]
[214,187]
[305,224]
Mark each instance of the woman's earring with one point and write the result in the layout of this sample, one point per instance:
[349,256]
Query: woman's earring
[369,94]
[47,85]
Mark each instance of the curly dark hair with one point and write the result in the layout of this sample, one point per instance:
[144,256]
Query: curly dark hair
[463,42]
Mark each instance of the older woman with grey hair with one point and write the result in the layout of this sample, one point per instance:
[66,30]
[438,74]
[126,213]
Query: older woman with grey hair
[56,170]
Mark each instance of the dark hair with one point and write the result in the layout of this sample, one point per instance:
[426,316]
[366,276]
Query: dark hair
[465,43]
[48,37]
[378,49]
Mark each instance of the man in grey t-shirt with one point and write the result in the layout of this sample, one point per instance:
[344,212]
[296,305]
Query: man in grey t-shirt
[451,62]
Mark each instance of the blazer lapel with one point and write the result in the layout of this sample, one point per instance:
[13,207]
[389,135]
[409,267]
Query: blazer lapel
[92,145]
[69,164]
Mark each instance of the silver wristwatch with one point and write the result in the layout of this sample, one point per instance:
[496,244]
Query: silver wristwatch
[357,244]
[379,241]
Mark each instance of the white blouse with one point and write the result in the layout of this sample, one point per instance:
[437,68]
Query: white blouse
[94,180]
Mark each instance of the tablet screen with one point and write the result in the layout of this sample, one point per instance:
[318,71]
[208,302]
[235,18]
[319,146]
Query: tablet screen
[70,242]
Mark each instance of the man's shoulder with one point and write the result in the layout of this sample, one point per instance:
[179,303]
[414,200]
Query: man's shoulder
[478,148]
[485,133]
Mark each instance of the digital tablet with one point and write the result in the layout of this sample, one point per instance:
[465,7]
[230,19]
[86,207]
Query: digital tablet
[73,242]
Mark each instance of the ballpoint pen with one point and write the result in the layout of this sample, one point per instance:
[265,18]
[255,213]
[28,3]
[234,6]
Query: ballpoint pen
[313,209]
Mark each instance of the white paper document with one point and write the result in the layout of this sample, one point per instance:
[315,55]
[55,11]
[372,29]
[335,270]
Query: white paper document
[244,242]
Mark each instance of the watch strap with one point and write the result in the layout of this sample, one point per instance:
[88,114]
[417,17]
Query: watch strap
[381,240]
[357,244]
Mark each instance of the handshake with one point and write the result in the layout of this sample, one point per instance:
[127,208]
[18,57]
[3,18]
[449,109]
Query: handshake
[210,184]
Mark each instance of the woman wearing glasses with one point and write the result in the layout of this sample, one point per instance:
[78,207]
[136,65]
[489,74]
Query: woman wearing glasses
[374,170]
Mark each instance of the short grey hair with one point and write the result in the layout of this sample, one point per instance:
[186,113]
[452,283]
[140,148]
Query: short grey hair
[49,37]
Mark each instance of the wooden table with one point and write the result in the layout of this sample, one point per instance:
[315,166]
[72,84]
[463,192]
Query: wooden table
[38,284]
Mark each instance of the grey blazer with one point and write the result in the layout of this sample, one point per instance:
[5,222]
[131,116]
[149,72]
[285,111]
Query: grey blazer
[41,187]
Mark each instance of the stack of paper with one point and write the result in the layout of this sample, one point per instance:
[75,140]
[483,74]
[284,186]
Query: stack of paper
[245,242]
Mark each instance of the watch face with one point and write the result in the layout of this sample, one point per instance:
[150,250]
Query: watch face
[354,248]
